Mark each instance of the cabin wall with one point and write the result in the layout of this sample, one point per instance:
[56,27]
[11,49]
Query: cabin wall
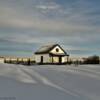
[64,59]
[46,58]
[1,60]
[56,59]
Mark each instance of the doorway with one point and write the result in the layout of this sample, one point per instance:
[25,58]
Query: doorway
[41,60]
[60,60]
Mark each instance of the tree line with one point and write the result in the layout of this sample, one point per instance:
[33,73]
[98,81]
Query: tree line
[91,60]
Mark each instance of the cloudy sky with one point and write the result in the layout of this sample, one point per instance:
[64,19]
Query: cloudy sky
[25,25]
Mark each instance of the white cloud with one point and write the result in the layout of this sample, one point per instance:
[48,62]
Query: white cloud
[47,7]
[43,25]
[72,22]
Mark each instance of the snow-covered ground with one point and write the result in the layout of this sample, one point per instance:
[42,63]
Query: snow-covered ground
[50,82]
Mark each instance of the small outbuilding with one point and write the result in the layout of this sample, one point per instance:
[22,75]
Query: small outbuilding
[51,54]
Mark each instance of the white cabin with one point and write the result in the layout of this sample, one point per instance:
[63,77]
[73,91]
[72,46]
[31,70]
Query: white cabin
[53,54]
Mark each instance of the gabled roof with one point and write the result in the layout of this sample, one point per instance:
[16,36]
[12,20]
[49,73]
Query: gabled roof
[47,49]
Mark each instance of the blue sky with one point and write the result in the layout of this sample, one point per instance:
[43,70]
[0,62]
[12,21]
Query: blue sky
[25,25]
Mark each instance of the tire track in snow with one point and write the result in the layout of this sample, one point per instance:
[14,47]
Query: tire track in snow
[46,81]
[86,72]
[14,72]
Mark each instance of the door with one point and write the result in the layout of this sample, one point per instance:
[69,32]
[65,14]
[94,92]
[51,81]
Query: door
[41,59]
[60,60]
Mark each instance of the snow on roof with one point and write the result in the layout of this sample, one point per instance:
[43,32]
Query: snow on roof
[46,48]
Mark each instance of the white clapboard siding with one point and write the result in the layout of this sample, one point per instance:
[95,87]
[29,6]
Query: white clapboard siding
[46,58]
[55,52]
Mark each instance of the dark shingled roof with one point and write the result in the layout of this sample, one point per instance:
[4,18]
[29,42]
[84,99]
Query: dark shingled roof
[47,49]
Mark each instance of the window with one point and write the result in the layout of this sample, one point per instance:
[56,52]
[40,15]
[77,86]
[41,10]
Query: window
[57,50]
